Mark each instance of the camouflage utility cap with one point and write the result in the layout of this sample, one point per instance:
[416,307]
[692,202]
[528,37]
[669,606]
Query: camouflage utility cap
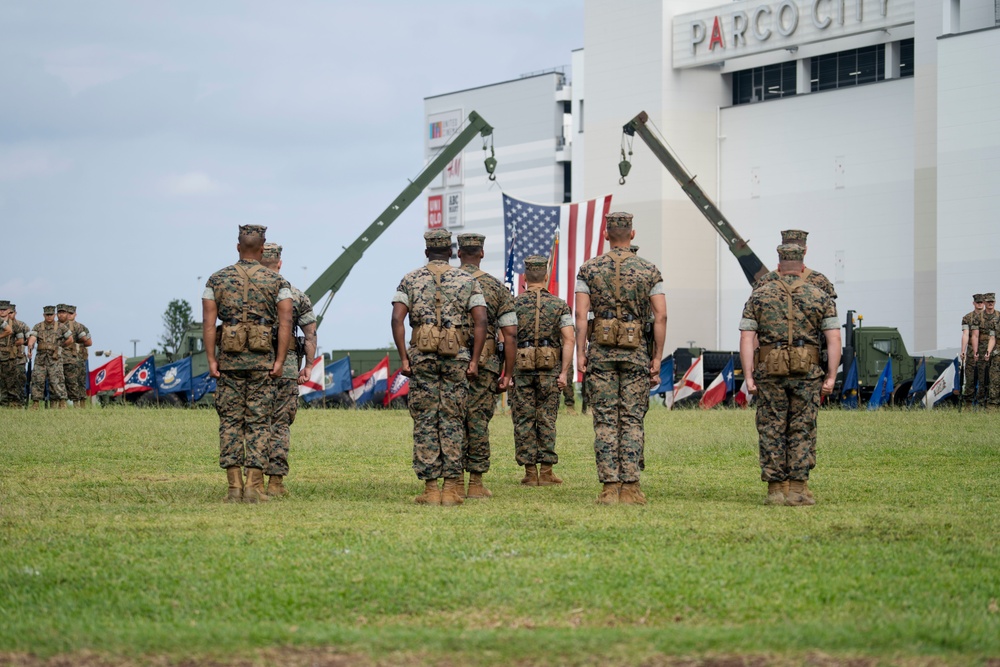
[49,310]
[61,308]
[471,240]
[272,251]
[793,236]
[71,309]
[619,220]
[536,262]
[5,304]
[989,297]
[12,307]
[253,230]
[789,252]
[437,238]
[978,298]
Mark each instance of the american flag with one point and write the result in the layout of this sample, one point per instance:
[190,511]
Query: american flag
[531,229]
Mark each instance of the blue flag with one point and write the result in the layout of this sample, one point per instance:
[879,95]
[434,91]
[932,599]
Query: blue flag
[851,387]
[174,377]
[201,385]
[883,388]
[666,378]
[338,380]
[919,385]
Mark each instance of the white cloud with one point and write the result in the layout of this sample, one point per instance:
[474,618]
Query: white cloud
[191,183]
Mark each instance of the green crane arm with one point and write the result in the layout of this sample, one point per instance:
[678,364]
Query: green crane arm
[752,267]
[333,278]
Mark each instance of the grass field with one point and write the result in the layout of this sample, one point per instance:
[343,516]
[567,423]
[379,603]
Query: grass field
[115,548]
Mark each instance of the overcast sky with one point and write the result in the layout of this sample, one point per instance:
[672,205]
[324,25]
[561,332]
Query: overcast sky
[136,136]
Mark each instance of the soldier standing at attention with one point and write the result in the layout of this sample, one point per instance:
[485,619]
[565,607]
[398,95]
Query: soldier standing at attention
[251,301]
[798,237]
[983,332]
[545,340]
[482,400]
[619,287]
[52,338]
[75,356]
[443,304]
[286,402]
[788,316]
[968,353]
[12,359]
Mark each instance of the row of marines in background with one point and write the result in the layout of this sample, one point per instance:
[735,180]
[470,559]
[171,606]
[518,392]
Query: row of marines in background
[61,358]
[979,356]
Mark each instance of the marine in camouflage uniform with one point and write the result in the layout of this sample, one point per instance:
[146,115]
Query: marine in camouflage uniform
[618,378]
[798,237]
[987,363]
[968,354]
[535,398]
[75,356]
[287,386]
[245,395]
[787,405]
[481,404]
[439,385]
[12,358]
[52,338]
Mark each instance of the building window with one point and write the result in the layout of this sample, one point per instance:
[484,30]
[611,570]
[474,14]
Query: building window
[764,83]
[581,118]
[906,58]
[848,68]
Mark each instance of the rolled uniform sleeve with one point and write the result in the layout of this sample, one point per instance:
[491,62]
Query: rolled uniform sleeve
[476,299]
[830,320]
[656,289]
[284,293]
[308,317]
[566,321]
[749,320]
[208,294]
[581,286]
[507,320]
[401,297]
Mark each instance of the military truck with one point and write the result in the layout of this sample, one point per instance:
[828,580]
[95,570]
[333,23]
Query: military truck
[871,346]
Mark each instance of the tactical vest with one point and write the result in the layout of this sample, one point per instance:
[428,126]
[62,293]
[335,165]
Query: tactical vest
[617,328]
[789,357]
[247,334]
[47,340]
[537,356]
[437,338]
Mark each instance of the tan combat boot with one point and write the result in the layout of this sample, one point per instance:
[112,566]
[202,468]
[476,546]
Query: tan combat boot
[276,486]
[776,493]
[796,496]
[235,477]
[80,404]
[805,490]
[453,491]
[546,477]
[35,405]
[431,494]
[631,494]
[476,488]
[61,405]
[609,494]
[530,475]
[253,491]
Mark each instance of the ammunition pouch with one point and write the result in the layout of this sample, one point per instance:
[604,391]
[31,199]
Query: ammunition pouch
[47,347]
[544,356]
[245,335]
[233,338]
[7,352]
[443,341]
[782,360]
[259,337]
[451,343]
[489,350]
[617,328]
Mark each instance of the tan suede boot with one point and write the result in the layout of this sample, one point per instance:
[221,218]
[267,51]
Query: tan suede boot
[631,494]
[609,494]
[35,405]
[530,475]
[431,494]
[61,405]
[776,493]
[453,491]
[546,477]
[476,488]
[235,477]
[276,486]
[796,497]
[80,404]
[805,490]
[253,491]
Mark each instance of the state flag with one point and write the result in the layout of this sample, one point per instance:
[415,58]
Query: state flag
[720,387]
[883,387]
[201,385]
[367,385]
[399,385]
[743,398]
[944,386]
[692,382]
[174,377]
[141,377]
[109,377]
[851,389]
[317,378]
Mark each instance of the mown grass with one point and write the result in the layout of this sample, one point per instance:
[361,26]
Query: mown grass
[113,539]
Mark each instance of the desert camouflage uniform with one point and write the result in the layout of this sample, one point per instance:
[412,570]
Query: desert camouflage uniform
[12,360]
[438,387]
[482,399]
[48,363]
[286,403]
[988,391]
[617,379]
[812,277]
[245,394]
[970,322]
[534,400]
[75,363]
[787,406]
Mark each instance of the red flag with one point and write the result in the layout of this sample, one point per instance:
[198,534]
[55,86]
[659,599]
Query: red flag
[108,377]
[399,385]
[743,397]
[692,382]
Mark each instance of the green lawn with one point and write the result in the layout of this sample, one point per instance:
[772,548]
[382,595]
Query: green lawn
[114,542]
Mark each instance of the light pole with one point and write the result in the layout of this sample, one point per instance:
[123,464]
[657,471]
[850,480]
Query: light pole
[135,342]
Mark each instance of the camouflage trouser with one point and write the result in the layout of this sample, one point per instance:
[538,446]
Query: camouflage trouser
[437,403]
[12,381]
[73,376]
[482,402]
[534,404]
[244,401]
[983,380]
[993,392]
[786,425]
[619,398]
[569,391]
[49,369]
[286,405]
[969,373]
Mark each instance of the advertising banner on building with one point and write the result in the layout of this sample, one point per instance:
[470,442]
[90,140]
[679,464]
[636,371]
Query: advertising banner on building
[435,217]
[442,126]
[453,172]
[454,211]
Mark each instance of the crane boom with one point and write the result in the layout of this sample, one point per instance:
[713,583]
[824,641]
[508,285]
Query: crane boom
[752,267]
[333,278]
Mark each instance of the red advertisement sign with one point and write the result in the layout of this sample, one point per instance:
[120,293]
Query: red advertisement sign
[435,208]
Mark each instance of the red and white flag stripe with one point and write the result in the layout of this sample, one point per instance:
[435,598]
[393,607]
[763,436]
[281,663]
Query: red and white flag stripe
[581,237]
[317,378]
